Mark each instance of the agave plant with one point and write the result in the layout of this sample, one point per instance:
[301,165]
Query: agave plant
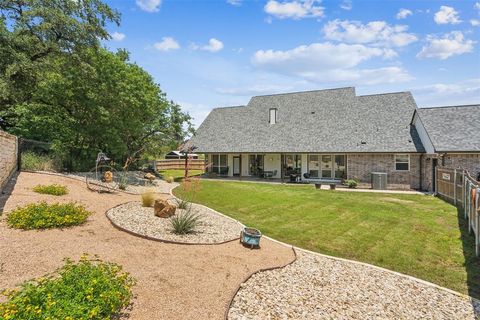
[185,222]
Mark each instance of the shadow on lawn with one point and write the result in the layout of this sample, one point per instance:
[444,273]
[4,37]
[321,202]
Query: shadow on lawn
[472,263]
[7,191]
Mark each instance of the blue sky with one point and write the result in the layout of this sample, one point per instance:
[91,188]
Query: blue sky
[207,54]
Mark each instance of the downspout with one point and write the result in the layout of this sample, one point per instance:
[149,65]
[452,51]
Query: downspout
[421,170]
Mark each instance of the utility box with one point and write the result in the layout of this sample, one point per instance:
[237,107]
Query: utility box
[379,180]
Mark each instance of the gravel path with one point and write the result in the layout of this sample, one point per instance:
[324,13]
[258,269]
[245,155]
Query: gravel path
[213,228]
[173,281]
[316,287]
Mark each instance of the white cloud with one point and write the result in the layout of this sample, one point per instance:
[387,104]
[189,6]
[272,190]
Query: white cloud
[117,36]
[235,2]
[198,112]
[403,13]
[375,32]
[450,44]
[447,15]
[296,9]
[476,5]
[440,94]
[346,5]
[475,22]
[327,62]
[167,44]
[213,45]
[149,5]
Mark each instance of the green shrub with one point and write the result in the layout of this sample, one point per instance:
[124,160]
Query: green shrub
[52,189]
[351,183]
[89,289]
[185,222]
[36,162]
[44,216]
[148,198]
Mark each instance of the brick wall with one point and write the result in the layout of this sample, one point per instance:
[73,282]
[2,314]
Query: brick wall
[362,165]
[469,162]
[8,156]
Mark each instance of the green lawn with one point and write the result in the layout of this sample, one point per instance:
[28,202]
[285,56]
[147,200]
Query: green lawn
[179,174]
[414,234]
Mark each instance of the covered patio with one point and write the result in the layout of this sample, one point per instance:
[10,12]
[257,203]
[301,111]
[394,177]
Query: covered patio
[277,167]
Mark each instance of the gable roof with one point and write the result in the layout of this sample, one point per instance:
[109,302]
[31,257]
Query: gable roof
[333,120]
[452,128]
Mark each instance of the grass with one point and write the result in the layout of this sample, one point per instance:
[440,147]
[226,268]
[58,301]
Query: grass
[37,162]
[89,289]
[417,235]
[45,216]
[52,189]
[148,198]
[179,174]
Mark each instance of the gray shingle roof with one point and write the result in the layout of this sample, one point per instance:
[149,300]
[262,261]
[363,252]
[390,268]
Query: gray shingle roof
[455,128]
[334,120]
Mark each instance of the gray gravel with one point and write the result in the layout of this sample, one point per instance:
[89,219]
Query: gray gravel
[213,228]
[316,287]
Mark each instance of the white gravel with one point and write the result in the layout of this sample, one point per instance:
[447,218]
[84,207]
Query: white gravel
[213,228]
[316,287]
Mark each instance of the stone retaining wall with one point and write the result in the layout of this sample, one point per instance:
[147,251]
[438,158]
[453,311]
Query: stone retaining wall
[8,157]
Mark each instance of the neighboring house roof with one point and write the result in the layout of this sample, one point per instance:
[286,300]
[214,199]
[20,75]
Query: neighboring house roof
[334,120]
[452,128]
[180,154]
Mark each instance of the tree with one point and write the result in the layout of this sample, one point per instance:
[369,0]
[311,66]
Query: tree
[32,32]
[103,103]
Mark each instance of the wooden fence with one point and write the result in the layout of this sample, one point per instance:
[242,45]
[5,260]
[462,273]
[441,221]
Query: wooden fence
[458,187]
[179,164]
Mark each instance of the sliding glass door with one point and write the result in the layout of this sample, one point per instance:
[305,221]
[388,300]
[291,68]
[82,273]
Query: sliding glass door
[220,164]
[255,164]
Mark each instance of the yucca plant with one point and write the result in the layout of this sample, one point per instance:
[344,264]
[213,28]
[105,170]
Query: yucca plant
[185,222]
[183,204]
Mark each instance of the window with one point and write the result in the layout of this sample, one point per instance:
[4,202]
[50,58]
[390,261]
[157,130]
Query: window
[327,166]
[340,167]
[313,166]
[273,116]
[219,164]
[402,162]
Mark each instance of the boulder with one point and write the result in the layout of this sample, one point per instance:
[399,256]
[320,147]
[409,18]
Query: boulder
[108,176]
[163,209]
[149,176]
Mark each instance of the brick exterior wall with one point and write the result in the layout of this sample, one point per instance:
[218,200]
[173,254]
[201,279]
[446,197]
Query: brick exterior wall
[8,157]
[361,166]
[469,162]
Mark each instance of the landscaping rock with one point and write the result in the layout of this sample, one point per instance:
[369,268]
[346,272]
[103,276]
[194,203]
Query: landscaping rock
[318,287]
[149,176]
[213,228]
[167,210]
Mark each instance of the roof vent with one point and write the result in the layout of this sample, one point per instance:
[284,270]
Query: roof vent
[272,113]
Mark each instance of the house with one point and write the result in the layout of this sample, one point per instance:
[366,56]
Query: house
[324,134]
[180,155]
[451,138]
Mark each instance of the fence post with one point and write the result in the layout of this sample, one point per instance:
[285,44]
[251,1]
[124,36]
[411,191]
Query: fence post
[455,187]
[477,221]
[435,178]
[465,205]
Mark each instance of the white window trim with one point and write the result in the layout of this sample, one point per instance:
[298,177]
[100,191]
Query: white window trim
[395,162]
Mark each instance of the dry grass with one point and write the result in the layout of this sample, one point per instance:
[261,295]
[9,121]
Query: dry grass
[148,198]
